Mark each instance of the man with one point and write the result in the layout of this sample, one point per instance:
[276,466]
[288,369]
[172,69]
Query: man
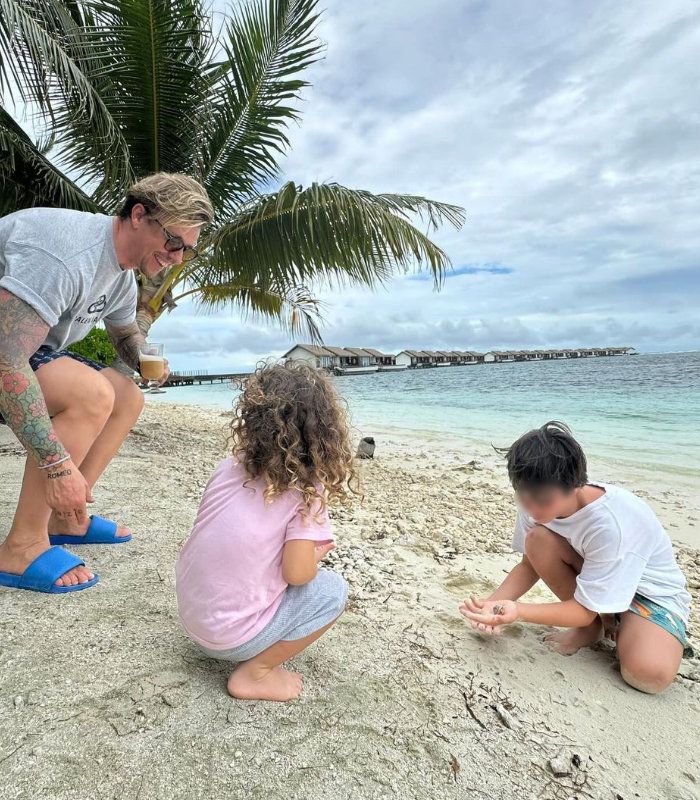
[62,272]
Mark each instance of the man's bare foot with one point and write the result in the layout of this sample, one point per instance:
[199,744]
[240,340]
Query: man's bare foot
[16,559]
[253,683]
[68,526]
[568,642]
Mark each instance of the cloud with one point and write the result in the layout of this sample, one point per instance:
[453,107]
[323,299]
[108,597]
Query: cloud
[568,132]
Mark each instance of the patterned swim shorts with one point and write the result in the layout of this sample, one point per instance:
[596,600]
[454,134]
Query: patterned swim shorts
[45,355]
[648,609]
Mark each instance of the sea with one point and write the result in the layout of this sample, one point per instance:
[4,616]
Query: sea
[638,413]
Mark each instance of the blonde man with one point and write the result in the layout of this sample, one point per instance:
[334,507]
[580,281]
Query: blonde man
[62,272]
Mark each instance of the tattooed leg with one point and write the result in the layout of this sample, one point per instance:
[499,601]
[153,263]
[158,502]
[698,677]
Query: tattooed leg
[128,404]
[81,402]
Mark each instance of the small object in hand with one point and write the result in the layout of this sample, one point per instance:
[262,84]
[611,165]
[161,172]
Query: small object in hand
[366,447]
[499,609]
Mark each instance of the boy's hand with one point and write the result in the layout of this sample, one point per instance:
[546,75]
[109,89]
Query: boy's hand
[322,550]
[487,616]
[609,627]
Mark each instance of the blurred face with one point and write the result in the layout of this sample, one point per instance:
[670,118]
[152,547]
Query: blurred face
[547,503]
[156,248]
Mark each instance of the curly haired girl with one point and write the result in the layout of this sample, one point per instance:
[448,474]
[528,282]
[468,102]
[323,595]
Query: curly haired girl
[248,586]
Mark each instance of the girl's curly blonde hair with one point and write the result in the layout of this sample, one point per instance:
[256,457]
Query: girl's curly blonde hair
[291,428]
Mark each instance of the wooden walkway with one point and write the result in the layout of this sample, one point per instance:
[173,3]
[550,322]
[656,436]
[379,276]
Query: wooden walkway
[199,379]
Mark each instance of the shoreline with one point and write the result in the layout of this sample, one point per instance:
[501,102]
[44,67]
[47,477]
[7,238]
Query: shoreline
[676,503]
[103,696]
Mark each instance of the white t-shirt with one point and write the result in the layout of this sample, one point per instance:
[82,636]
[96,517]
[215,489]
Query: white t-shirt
[625,550]
[63,264]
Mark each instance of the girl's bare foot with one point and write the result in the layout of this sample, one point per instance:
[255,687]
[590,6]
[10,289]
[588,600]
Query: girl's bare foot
[250,682]
[568,642]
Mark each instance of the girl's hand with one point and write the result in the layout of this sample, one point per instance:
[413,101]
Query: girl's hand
[322,550]
[487,616]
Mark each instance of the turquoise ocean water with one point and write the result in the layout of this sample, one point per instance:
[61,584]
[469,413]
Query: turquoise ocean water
[638,411]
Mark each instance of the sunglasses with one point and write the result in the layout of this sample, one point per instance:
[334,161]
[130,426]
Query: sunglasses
[174,243]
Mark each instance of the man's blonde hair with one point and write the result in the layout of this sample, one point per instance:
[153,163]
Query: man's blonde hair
[172,198]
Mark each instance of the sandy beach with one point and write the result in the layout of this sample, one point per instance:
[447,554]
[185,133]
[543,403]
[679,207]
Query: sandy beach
[102,696]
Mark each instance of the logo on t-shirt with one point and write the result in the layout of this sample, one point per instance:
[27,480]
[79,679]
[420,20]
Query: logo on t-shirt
[98,305]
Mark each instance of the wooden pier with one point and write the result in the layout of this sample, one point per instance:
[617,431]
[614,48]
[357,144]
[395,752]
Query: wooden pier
[199,377]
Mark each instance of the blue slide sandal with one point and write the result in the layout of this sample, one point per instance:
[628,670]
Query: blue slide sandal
[41,575]
[100,531]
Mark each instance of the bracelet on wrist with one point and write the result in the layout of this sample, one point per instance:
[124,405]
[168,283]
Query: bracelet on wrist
[55,463]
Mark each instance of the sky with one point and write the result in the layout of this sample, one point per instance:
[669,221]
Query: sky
[569,132]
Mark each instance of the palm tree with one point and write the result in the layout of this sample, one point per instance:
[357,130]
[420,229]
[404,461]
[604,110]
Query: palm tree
[124,88]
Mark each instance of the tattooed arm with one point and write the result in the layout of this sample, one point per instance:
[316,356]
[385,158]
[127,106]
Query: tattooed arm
[22,332]
[126,340]
[22,404]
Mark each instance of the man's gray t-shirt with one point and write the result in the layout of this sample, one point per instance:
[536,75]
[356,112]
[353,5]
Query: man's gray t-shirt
[63,264]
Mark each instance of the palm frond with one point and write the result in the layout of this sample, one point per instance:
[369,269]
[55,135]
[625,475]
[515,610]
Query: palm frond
[253,91]
[149,59]
[28,178]
[326,233]
[293,309]
[41,50]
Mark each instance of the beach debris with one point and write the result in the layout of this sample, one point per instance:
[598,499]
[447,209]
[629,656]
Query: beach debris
[506,717]
[471,713]
[560,766]
[365,448]
[19,701]
[454,767]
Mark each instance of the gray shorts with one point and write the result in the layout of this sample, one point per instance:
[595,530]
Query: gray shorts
[303,610]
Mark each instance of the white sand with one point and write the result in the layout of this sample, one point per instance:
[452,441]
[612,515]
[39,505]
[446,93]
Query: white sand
[102,696]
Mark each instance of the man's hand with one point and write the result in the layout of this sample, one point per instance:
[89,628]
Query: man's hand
[486,616]
[126,340]
[166,373]
[67,492]
[322,550]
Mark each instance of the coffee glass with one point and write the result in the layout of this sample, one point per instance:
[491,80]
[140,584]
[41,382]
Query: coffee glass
[151,364]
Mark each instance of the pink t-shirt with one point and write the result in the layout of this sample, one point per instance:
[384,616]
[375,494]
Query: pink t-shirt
[229,573]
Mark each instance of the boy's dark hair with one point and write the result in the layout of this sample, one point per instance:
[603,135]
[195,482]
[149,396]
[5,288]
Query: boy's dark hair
[546,456]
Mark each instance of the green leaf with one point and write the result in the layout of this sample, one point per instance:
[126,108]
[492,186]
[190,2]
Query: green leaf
[28,178]
[43,53]
[253,93]
[327,232]
[293,309]
[97,346]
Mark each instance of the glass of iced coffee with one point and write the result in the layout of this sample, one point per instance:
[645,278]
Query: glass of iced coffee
[152,364]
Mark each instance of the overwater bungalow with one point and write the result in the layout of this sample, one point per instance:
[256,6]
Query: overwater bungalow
[498,356]
[385,361]
[319,357]
[352,361]
[469,357]
[365,359]
[414,358]
[446,358]
[356,360]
